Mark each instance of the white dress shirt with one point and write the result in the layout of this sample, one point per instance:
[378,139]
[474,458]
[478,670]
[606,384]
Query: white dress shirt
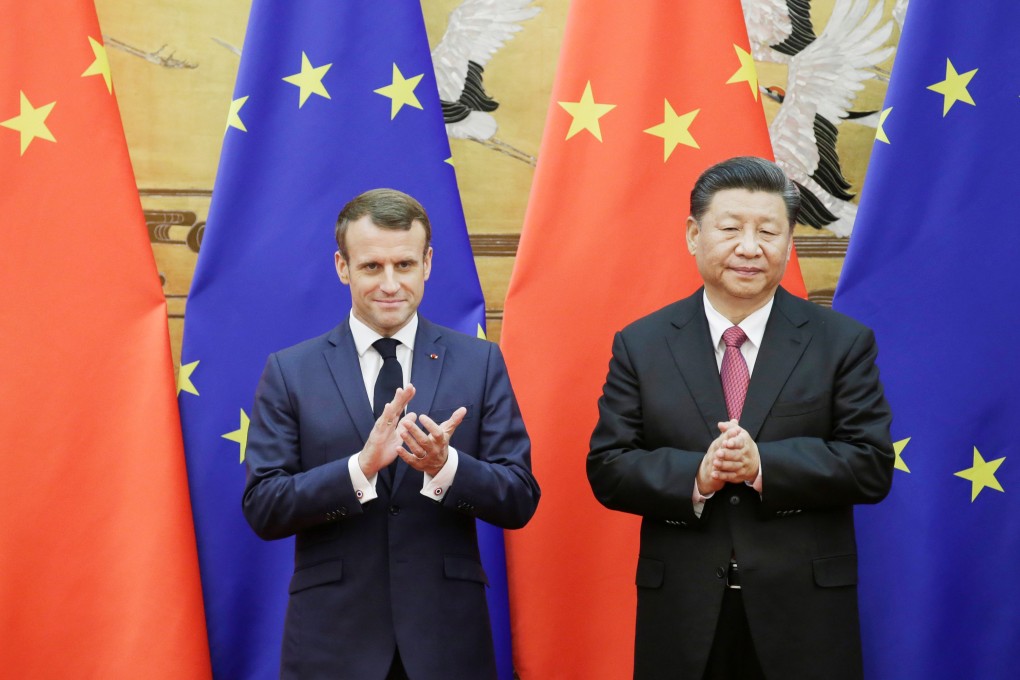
[371,364]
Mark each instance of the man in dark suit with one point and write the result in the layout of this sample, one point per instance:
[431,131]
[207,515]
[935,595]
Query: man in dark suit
[387,581]
[743,424]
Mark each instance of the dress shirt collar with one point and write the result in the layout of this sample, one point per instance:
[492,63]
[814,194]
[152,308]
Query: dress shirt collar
[365,336]
[753,325]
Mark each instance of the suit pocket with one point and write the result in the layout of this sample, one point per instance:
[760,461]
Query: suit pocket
[833,572]
[800,406]
[650,573]
[316,575]
[441,415]
[464,569]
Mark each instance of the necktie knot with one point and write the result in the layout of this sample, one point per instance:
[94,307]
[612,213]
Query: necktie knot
[734,337]
[387,347]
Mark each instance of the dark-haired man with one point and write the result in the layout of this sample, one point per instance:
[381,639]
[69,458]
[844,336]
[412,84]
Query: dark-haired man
[387,582]
[743,424]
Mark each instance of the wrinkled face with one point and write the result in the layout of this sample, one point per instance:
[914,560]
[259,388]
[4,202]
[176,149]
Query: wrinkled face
[386,272]
[741,245]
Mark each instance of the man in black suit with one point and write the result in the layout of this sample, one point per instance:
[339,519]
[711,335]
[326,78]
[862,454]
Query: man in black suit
[388,582]
[743,424]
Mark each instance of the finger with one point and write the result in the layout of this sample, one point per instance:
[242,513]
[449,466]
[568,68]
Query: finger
[412,444]
[723,465]
[727,425]
[434,428]
[731,443]
[393,408]
[446,429]
[734,432]
[412,429]
[451,423]
[402,396]
[411,459]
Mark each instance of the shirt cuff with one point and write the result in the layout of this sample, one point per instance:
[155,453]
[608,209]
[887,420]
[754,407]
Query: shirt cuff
[364,488]
[699,500]
[756,484]
[436,487]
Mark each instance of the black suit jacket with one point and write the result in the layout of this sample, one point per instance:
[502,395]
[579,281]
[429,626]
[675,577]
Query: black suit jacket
[402,569]
[816,409]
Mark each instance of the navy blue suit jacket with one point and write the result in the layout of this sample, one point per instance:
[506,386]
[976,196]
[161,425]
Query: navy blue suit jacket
[402,569]
[816,410]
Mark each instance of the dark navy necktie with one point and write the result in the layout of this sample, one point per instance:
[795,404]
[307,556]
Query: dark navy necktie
[390,377]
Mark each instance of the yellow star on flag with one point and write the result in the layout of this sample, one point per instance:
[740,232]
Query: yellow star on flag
[184,383]
[954,87]
[234,115]
[674,130]
[481,333]
[240,435]
[586,114]
[747,73]
[898,449]
[981,475]
[101,65]
[31,122]
[309,80]
[880,131]
[401,91]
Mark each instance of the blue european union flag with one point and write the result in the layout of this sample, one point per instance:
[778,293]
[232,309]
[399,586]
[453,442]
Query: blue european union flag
[332,99]
[932,267]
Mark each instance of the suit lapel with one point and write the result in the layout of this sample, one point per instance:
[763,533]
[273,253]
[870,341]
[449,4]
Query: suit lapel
[342,359]
[691,345]
[786,337]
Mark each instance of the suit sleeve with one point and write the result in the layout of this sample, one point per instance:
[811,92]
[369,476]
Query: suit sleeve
[853,462]
[623,474]
[494,481]
[280,497]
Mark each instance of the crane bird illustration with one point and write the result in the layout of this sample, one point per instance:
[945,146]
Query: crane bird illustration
[825,73]
[476,30]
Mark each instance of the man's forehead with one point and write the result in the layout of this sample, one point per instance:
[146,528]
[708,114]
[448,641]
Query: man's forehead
[737,202]
[399,248]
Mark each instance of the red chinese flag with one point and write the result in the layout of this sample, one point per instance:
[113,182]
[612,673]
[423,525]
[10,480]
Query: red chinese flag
[647,96]
[98,568]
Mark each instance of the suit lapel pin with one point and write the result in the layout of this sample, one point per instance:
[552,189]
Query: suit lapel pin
[433,356]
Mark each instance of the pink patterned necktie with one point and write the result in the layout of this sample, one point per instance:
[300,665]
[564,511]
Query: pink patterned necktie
[734,373]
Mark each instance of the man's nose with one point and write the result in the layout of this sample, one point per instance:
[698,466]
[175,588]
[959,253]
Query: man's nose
[748,244]
[389,280]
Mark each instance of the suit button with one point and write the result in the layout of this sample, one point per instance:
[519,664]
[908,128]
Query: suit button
[343,512]
[720,573]
[734,500]
[394,509]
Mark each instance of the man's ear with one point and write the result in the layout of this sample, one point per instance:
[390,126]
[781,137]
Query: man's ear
[693,229]
[428,263]
[342,269]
